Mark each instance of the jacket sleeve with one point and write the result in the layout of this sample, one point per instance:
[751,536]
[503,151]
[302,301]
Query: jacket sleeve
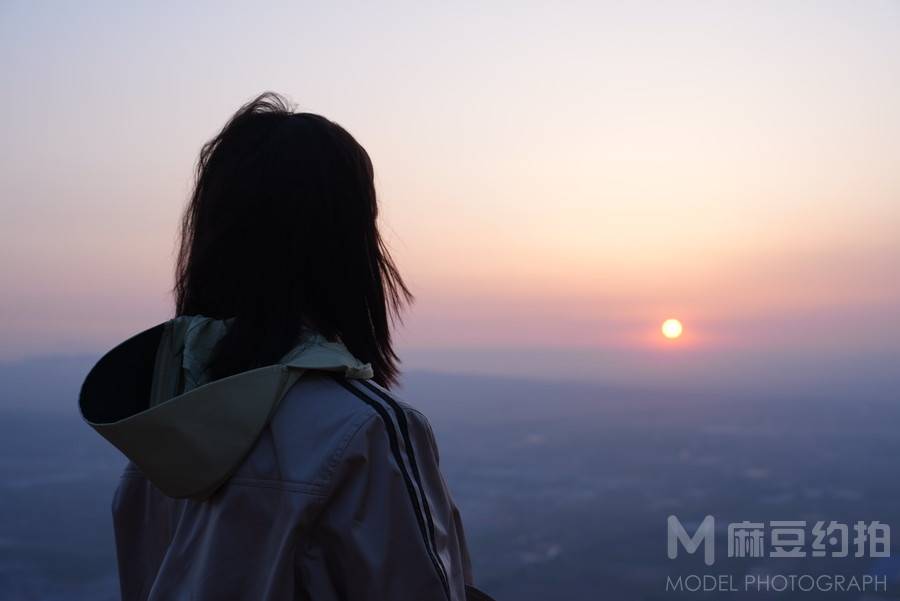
[390,530]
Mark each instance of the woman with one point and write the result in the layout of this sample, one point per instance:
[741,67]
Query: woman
[268,460]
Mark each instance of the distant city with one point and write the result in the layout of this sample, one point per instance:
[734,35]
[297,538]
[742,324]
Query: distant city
[565,488]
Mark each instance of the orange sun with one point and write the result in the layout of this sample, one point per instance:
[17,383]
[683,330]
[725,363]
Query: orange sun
[672,329]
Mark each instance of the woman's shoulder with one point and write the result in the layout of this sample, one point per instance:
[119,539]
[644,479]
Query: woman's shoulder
[323,417]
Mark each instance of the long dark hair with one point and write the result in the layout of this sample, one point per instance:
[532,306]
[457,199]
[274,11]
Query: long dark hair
[281,235]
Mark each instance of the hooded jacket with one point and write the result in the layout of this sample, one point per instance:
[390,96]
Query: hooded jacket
[300,480]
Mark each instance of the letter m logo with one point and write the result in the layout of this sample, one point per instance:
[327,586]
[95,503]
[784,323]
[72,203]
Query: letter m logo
[705,534]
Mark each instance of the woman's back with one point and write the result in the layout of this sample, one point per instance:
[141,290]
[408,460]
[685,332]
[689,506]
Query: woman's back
[265,461]
[337,496]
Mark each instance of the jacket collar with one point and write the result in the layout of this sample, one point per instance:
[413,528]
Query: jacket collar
[149,398]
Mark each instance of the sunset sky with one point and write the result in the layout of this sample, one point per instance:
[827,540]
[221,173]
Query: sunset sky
[556,179]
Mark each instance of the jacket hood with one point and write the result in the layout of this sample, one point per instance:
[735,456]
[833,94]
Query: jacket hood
[151,398]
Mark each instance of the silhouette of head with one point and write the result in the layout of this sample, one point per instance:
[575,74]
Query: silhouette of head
[280,234]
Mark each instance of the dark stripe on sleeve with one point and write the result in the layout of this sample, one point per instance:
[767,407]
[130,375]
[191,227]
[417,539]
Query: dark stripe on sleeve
[395,449]
[404,428]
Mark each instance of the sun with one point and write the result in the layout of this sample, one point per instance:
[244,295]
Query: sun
[672,329]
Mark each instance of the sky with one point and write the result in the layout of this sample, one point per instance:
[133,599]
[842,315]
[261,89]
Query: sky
[556,179]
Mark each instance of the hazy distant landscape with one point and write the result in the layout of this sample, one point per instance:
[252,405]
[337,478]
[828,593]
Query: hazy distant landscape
[564,487]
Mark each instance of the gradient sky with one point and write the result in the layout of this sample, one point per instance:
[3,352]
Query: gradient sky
[554,176]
